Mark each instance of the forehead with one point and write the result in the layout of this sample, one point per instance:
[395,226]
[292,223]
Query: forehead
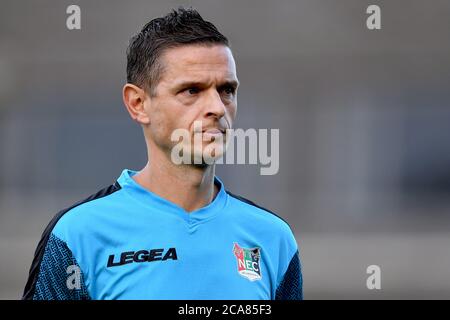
[198,62]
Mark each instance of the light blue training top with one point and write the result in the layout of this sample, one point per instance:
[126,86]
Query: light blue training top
[125,242]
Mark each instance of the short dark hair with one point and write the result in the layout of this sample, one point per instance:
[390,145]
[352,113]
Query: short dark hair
[179,27]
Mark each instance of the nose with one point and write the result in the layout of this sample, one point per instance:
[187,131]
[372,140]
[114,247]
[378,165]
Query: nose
[215,107]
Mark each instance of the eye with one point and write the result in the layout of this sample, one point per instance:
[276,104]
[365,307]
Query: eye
[229,90]
[192,90]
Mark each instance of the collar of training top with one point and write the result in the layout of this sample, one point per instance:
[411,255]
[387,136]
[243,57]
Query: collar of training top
[153,201]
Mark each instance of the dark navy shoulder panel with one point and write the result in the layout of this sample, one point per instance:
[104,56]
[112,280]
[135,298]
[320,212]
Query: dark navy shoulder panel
[30,286]
[291,287]
[60,277]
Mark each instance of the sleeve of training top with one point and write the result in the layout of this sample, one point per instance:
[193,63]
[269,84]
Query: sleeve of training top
[291,287]
[55,273]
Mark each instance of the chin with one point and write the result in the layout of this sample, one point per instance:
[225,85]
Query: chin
[207,158]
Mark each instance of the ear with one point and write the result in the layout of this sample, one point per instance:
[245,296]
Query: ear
[134,98]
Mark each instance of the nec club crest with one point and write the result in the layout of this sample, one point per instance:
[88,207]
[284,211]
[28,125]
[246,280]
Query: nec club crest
[248,262]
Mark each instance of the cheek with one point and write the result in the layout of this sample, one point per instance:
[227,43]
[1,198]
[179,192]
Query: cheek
[160,123]
[232,110]
[164,121]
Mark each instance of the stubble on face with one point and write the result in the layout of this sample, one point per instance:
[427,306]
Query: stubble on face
[196,85]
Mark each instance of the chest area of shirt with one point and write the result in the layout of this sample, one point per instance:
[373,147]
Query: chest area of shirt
[188,268]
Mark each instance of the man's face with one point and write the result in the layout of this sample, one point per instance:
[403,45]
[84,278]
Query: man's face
[198,84]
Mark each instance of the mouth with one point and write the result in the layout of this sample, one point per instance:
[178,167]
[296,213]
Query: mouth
[214,131]
[214,134]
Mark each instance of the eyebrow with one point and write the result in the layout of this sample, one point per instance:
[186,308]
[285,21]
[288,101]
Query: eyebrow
[232,83]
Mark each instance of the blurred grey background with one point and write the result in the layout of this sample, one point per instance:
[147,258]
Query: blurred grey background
[363,116]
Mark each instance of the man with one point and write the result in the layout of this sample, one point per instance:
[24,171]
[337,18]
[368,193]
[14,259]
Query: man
[171,230]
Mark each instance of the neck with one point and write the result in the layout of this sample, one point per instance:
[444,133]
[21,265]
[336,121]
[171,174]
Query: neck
[190,187]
